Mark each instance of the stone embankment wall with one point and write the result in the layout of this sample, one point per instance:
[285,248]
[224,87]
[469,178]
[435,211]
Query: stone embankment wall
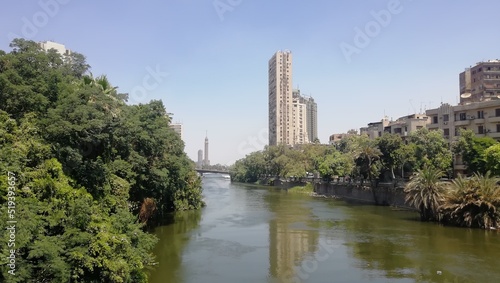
[383,194]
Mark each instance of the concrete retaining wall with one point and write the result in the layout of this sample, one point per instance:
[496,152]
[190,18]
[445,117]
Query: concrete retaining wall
[383,194]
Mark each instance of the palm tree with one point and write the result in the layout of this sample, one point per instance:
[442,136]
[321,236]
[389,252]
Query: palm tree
[425,192]
[473,202]
[367,154]
[103,83]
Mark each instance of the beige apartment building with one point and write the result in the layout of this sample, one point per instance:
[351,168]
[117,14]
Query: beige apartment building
[483,118]
[478,110]
[299,122]
[480,82]
[336,138]
[311,114]
[405,125]
[402,126]
[375,129]
[292,116]
[281,120]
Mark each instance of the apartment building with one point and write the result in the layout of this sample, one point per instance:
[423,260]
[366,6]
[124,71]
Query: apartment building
[336,138]
[292,116]
[375,129]
[311,114]
[483,118]
[281,120]
[60,48]
[299,114]
[403,126]
[480,82]
[177,127]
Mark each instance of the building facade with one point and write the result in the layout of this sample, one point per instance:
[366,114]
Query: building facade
[483,118]
[403,126]
[336,138]
[280,99]
[60,48]
[199,164]
[311,114]
[480,82]
[292,116]
[177,127]
[375,129]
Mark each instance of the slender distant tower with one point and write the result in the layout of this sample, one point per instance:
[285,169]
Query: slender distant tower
[206,161]
[200,158]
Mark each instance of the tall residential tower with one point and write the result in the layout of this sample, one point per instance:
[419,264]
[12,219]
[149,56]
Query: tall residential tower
[292,116]
[280,99]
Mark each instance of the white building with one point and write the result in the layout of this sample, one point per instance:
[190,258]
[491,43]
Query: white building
[177,127]
[60,48]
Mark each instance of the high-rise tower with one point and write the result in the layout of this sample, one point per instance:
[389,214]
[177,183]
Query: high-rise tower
[206,162]
[200,159]
[280,99]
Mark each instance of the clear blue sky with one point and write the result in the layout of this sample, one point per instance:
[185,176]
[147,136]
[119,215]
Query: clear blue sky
[217,61]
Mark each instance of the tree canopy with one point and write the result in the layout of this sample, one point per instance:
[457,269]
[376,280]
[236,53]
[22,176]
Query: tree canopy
[86,167]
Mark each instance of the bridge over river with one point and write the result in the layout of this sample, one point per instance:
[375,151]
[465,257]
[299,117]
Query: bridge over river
[203,171]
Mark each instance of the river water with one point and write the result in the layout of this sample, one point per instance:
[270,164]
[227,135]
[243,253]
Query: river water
[254,234]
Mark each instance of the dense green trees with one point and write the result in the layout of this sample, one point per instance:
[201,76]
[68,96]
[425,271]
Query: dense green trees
[424,155]
[356,156]
[472,149]
[85,164]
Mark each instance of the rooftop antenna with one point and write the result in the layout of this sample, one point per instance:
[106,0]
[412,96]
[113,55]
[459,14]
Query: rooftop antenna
[413,107]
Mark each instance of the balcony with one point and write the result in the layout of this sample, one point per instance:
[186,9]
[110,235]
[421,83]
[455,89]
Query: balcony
[479,121]
[433,126]
[494,135]
[462,123]
[494,119]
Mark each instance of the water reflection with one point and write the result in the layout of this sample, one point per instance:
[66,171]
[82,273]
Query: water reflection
[251,234]
[391,245]
[173,238]
[291,239]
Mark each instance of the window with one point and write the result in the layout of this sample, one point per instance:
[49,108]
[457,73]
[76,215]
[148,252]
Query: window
[498,128]
[480,114]
[446,117]
[463,116]
[434,120]
[446,132]
[480,130]
[497,112]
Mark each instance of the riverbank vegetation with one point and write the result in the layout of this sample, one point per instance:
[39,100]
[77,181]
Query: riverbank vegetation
[89,171]
[423,160]
[305,189]
[357,157]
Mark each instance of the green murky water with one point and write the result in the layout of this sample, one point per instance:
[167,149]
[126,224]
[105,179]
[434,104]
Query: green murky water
[251,234]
